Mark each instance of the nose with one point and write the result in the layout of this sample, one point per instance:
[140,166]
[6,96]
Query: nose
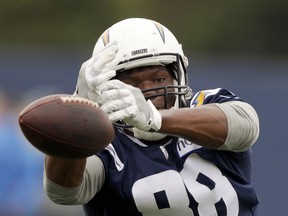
[145,86]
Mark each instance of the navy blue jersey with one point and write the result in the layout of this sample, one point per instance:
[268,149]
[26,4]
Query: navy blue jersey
[178,178]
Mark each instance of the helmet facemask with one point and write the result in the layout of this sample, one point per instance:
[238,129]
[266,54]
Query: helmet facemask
[179,89]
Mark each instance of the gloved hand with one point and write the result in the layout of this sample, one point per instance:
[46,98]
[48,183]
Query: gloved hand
[125,102]
[96,70]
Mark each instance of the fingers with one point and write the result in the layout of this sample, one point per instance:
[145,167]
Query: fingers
[120,108]
[99,61]
[98,65]
[101,78]
[114,94]
[113,45]
[94,96]
[106,55]
[116,99]
[129,112]
[112,84]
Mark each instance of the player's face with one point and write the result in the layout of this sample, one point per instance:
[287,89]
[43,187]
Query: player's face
[150,77]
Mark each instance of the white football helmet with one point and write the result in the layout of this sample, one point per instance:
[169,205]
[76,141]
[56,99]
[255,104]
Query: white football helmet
[144,42]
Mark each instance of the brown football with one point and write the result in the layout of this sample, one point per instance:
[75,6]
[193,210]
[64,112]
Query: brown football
[66,126]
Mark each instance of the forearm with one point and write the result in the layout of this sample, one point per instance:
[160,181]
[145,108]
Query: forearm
[205,125]
[65,172]
[232,126]
[60,186]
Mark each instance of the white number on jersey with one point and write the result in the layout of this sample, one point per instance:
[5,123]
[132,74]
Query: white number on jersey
[165,193]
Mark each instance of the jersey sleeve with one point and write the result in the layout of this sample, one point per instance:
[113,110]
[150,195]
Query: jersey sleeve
[243,126]
[218,95]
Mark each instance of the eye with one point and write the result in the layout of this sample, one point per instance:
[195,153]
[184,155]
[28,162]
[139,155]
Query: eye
[160,79]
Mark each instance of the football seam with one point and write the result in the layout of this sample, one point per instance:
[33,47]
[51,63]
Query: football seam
[76,99]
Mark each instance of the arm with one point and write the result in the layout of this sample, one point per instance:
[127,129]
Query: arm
[76,181]
[65,172]
[70,182]
[228,126]
[231,125]
[205,125]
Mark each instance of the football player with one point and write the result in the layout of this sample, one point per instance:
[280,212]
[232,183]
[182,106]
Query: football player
[174,152]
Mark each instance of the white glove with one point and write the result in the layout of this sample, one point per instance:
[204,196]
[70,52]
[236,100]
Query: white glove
[125,102]
[96,70]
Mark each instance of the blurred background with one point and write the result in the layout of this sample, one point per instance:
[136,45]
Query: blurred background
[239,45]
